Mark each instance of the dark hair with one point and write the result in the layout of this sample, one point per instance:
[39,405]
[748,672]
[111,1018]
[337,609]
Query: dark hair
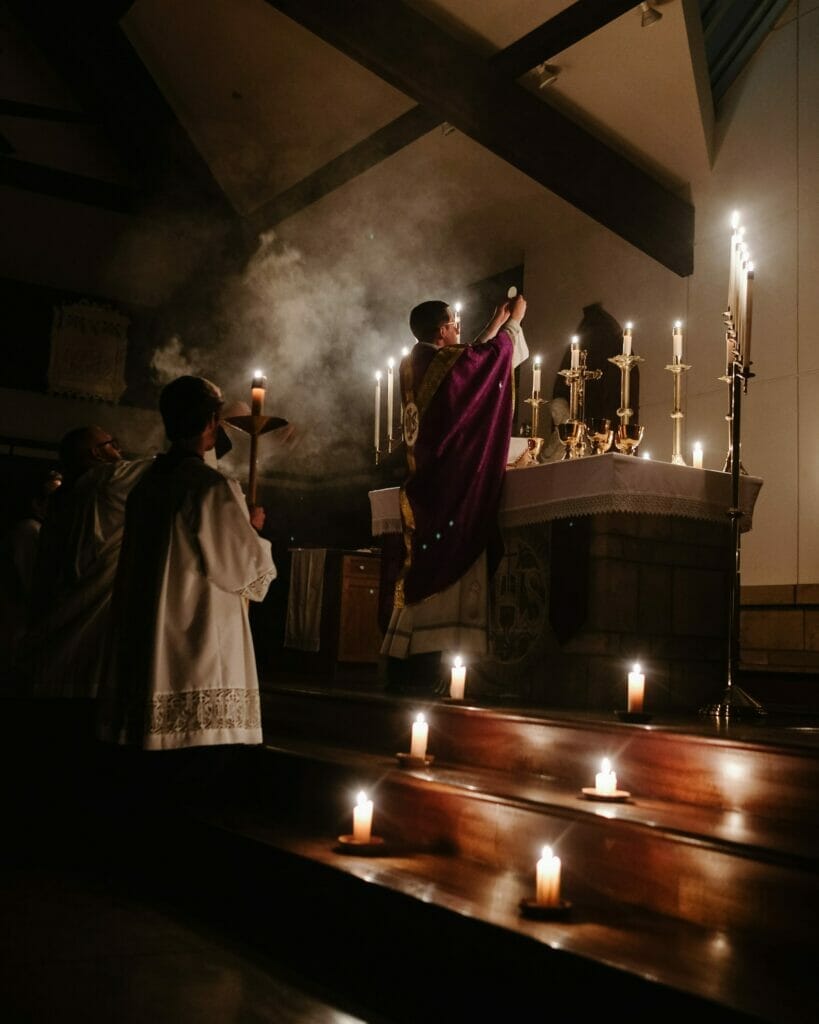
[427,317]
[187,405]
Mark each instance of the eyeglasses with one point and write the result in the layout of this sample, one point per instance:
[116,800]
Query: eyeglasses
[452,323]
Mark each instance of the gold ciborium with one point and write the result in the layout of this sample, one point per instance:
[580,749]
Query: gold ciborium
[628,438]
[571,435]
[600,434]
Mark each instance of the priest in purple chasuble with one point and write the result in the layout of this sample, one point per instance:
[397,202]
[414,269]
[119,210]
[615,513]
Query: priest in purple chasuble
[458,411]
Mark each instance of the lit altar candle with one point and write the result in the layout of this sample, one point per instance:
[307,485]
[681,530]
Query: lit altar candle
[390,380]
[732,272]
[627,339]
[420,733]
[362,818]
[575,364]
[457,683]
[605,781]
[696,461]
[636,688]
[404,351]
[458,317]
[547,887]
[257,389]
[536,378]
[676,341]
[746,320]
[377,432]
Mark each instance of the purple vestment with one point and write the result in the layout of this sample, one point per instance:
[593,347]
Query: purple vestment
[458,420]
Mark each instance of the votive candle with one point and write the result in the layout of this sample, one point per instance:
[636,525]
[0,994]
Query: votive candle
[547,883]
[362,818]
[605,782]
[458,681]
[420,733]
[636,688]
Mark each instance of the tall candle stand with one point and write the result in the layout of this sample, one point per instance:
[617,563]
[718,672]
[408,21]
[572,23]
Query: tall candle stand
[677,415]
[731,360]
[255,425]
[576,380]
[536,401]
[625,364]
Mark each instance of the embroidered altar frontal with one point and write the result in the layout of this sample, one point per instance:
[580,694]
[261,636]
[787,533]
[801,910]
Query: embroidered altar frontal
[608,561]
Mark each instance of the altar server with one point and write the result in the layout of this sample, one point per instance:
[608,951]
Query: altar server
[182,670]
[458,410]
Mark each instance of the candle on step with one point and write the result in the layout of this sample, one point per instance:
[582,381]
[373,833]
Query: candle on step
[420,733]
[696,461]
[636,688]
[547,891]
[605,782]
[362,818]
[458,682]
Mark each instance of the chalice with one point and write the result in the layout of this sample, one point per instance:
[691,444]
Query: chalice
[570,434]
[600,434]
[628,438]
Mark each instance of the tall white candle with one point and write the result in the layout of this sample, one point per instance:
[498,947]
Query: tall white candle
[390,377]
[676,341]
[636,688]
[457,683]
[696,460]
[732,272]
[547,883]
[605,782]
[536,378]
[458,318]
[377,430]
[575,364]
[420,733]
[627,339]
[746,320]
[362,818]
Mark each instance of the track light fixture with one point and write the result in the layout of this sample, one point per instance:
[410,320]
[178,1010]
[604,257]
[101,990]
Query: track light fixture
[648,14]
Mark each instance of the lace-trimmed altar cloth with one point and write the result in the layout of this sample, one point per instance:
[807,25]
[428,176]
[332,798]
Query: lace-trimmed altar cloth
[601,484]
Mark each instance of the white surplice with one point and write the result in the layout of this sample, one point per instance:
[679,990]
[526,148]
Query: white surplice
[182,669]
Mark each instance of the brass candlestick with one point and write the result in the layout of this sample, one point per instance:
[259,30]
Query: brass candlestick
[625,364]
[535,401]
[576,378]
[677,415]
[255,425]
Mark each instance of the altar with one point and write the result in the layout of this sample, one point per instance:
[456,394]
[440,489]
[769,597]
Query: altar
[609,560]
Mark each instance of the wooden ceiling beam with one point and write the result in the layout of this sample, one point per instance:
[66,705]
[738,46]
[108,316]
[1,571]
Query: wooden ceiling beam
[417,57]
[76,188]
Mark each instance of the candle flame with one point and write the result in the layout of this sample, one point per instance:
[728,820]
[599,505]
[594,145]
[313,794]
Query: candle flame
[697,446]
[361,798]
[575,339]
[391,362]
[678,325]
[378,375]
[646,455]
[750,268]
[257,373]
[629,325]
[458,661]
[735,219]
[420,718]
[546,853]
[405,351]
[636,667]
[537,360]
[458,307]
[606,765]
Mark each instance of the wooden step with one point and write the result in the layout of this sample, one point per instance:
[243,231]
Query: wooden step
[749,769]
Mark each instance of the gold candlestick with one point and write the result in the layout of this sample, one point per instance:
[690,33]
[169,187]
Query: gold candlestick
[255,425]
[625,362]
[535,401]
[677,415]
[576,380]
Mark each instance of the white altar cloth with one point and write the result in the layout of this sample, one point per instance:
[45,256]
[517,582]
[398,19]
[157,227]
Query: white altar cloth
[599,484]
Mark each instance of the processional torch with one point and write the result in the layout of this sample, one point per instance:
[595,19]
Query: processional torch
[255,425]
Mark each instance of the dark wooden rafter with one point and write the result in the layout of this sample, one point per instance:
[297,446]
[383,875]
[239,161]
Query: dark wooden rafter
[442,75]
[84,43]
[537,46]
[76,188]
[37,112]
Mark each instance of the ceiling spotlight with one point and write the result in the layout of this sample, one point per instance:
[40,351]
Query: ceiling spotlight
[544,74]
[447,128]
[648,15]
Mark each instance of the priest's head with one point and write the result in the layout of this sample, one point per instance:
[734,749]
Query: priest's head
[85,447]
[435,323]
[190,409]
